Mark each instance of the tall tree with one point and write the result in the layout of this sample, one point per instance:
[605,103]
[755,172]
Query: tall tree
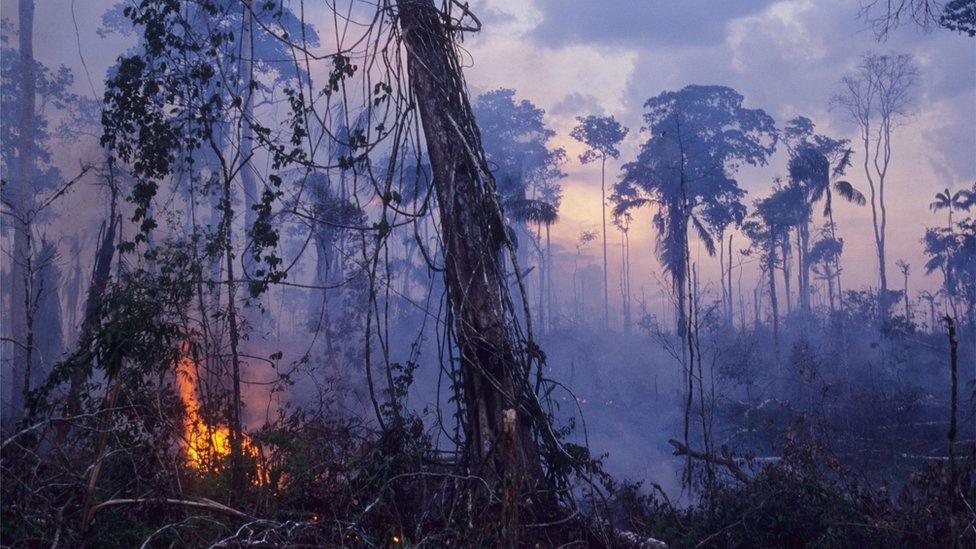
[952,249]
[699,136]
[501,411]
[767,227]
[878,98]
[22,206]
[601,135]
[515,138]
[815,166]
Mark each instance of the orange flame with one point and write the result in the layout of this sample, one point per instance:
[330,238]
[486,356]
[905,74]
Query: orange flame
[206,446]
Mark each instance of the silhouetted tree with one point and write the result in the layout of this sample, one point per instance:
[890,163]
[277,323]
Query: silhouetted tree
[878,98]
[824,258]
[601,135]
[816,162]
[767,227]
[698,138]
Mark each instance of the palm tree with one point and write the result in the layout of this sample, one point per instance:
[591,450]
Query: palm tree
[816,165]
[522,210]
[963,199]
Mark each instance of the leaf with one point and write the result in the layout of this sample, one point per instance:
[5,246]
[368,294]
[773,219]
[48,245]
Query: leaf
[849,193]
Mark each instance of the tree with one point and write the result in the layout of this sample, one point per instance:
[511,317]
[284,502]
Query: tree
[930,298]
[878,98]
[719,216]
[767,228]
[887,15]
[502,409]
[29,91]
[179,97]
[963,199]
[905,269]
[623,222]
[816,162]
[824,258]
[699,136]
[952,251]
[601,135]
[515,137]
[959,16]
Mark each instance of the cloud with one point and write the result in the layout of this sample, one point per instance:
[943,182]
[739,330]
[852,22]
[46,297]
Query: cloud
[638,23]
[577,104]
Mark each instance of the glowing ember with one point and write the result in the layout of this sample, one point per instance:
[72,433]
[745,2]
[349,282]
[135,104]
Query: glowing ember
[207,446]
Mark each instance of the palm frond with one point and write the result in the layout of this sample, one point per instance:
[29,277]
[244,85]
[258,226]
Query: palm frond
[530,210]
[849,193]
[626,205]
[704,235]
[843,163]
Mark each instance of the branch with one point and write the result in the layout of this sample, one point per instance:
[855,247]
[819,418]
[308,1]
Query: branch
[202,504]
[725,459]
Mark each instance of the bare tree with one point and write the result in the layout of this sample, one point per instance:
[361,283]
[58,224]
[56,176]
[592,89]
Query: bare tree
[878,98]
[885,16]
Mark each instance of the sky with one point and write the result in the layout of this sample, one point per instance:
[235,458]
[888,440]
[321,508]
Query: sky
[579,57]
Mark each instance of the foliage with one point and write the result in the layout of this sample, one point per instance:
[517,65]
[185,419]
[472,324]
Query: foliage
[800,502]
[699,136]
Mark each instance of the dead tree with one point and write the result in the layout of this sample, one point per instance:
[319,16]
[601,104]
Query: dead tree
[495,360]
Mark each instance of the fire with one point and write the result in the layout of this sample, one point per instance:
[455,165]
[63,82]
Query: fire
[206,446]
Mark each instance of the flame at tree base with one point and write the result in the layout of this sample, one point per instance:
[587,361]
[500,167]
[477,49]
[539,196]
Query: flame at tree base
[207,446]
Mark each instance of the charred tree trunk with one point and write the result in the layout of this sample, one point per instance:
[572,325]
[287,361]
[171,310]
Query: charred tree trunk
[101,273]
[499,443]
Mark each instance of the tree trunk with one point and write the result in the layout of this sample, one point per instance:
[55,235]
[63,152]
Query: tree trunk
[774,304]
[908,310]
[721,274]
[603,212]
[833,235]
[729,285]
[679,278]
[246,149]
[803,237]
[787,280]
[48,343]
[23,201]
[550,297]
[625,276]
[101,272]
[494,369]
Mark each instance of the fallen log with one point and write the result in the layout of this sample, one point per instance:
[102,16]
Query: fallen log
[726,460]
